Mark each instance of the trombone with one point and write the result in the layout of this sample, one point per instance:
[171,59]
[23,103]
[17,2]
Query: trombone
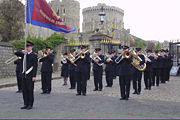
[12,59]
[126,54]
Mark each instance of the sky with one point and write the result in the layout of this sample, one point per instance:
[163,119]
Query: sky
[147,19]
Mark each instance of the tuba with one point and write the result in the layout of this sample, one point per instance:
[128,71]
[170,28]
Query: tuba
[136,60]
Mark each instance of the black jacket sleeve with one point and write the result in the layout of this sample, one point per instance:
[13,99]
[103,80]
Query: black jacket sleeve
[35,65]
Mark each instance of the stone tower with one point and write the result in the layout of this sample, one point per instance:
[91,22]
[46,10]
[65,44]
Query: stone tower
[113,19]
[69,12]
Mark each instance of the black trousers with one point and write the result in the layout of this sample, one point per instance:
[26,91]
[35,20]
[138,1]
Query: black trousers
[72,79]
[109,78]
[137,76]
[163,75]
[46,78]
[81,78]
[124,82]
[98,79]
[19,80]
[148,79]
[28,91]
[155,76]
[168,73]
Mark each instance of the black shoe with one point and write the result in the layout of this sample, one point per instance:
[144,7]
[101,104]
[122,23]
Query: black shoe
[149,88]
[126,98]
[107,86]
[19,91]
[122,98]
[43,92]
[145,88]
[138,93]
[48,92]
[100,89]
[29,107]
[134,93]
[78,94]
[24,107]
[70,88]
[95,90]
[84,94]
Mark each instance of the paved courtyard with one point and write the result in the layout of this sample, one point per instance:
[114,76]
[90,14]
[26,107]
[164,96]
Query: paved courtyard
[160,102]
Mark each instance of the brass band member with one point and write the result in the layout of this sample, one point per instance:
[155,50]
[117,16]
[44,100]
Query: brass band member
[82,70]
[98,70]
[109,70]
[163,65]
[124,73]
[137,75]
[30,64]
[156,69]
[169,64]
[72,73]
[19,64]
[64,68]
[46,70]
[149,70]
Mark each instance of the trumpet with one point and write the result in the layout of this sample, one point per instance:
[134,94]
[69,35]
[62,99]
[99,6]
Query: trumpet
[43,53]
[12,59]
[94,57]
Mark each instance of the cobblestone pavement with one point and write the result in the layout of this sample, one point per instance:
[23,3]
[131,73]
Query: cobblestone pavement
[160,102]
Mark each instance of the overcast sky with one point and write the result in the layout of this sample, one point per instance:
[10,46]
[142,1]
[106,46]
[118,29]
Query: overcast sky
[147,19]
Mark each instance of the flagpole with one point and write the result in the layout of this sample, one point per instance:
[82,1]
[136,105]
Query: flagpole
[25,37]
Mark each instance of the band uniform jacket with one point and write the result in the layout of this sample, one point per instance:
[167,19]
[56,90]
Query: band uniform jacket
[124,67]
[83,65]
[31,61]
[96,66]
[65,69]
[149,64]
[110,66]
[47,63]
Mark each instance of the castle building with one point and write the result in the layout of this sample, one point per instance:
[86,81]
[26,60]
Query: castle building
[69,12]
[113,22]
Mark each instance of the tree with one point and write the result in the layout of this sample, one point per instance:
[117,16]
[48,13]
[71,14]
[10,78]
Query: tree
[11,20]
[150,45]
[52,41]
[158,46]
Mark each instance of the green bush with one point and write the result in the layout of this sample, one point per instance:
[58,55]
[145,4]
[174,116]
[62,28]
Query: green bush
[52,41]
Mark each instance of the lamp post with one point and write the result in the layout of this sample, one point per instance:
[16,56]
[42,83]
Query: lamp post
[102,15]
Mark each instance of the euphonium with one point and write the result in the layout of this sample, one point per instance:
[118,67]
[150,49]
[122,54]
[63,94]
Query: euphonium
[95,56]
[136,61]
[71,58]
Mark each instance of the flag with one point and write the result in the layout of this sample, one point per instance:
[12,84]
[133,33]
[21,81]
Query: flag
[39,13]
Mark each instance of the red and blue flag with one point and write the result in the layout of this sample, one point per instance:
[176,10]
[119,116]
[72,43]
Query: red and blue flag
[39,13]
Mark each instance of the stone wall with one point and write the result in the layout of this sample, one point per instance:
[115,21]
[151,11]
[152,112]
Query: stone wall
[6,52]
